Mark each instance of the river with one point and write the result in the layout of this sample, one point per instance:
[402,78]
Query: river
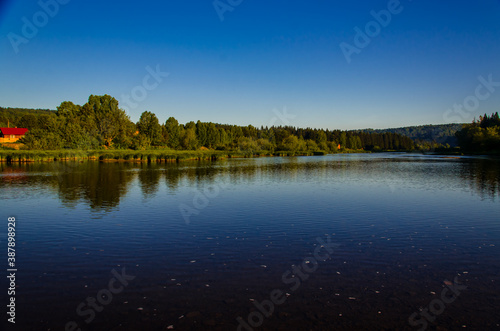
[336,242]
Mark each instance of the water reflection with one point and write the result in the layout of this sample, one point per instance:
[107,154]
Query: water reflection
[149,180]
[483,177]
[102,185]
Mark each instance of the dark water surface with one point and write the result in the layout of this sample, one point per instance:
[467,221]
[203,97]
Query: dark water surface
[207,243]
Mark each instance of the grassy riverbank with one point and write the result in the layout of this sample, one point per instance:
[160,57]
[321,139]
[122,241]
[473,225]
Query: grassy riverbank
[134,156]
[164,155]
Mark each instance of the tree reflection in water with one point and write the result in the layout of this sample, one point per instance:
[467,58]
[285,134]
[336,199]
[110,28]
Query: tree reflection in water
[102,185]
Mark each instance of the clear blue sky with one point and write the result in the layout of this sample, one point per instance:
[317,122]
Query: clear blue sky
[264,55]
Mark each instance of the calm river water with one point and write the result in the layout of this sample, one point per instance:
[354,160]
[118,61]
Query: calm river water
[337,242]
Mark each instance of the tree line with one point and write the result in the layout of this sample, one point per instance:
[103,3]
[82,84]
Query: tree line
[481,135]
[12,116]
[437,134]
[100,123]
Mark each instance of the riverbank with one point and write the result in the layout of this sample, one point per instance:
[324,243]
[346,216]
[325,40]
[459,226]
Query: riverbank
[135,156]
[162,156]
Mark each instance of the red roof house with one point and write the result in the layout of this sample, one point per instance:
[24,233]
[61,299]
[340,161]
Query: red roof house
[10,135]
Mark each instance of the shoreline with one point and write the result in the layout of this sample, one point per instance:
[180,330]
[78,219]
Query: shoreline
[169,156]
[149,156]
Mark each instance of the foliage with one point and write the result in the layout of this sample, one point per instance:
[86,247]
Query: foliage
[11,116]
[101,124]
[441,134]
[149,127]
[482,135]
[106,119]
[189,139]
[172,133]
[41,140]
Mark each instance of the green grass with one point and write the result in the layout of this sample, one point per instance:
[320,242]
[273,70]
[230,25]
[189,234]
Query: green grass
[156,155]
[113,155]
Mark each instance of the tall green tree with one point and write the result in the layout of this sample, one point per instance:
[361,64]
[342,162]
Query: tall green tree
[189,140]
[213,136]
[104,117]
[68,110]
[173,134]
[150,127]
[202,133]
[343,140]
[290,143]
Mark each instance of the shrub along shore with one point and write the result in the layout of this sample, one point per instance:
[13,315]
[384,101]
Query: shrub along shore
[135,156]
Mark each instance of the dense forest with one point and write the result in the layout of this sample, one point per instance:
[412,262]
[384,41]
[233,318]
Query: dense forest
[481,135]
[12,116]
[441,134]
[100,123]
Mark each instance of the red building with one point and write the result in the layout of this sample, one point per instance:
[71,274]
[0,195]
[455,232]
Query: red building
[11,135]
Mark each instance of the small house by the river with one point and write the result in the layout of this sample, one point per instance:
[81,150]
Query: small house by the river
[11,135]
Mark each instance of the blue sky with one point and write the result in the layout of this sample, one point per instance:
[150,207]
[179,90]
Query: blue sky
[262,58]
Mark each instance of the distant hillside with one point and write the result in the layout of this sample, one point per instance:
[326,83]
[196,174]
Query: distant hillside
[441,133]
[12,116]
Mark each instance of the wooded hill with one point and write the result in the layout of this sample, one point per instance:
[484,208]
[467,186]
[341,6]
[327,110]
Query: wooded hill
[440,133]
[12,116]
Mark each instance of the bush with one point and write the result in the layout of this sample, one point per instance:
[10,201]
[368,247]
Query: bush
[41,140]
